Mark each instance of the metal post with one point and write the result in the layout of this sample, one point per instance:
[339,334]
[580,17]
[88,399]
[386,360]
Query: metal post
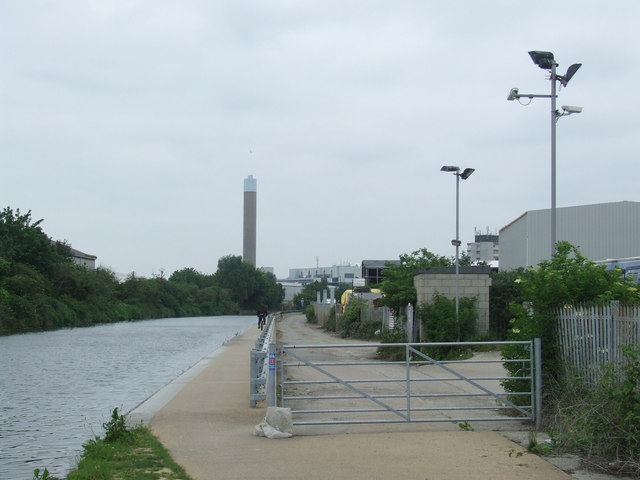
[252,378]
[408,361]
[537,344]
[554,120]
[271,390]
[457,248]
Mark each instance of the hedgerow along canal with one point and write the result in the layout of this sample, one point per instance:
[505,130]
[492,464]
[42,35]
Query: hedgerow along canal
[58,388]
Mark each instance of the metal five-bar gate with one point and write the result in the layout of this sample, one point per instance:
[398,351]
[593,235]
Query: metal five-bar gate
[345,384]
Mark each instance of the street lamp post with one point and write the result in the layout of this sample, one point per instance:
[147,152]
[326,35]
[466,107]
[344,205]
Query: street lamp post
[546,61]
[456,241]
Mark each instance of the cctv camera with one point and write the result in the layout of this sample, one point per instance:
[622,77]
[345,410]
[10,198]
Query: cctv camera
[513,94]
[571,109]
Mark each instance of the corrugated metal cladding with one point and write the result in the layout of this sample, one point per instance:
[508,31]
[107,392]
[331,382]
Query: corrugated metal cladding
[600,231]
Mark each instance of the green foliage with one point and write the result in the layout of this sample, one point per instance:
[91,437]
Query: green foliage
[353,325]
[602,421]
[23,241]
[116,428]
[42,289]
[248,287]
[466,427]
[309,293]
[310,313]
[503,292]
[569,277]
[393,335]
[397,284]
[43,476]
[439,324]
[138,456]
[331,324]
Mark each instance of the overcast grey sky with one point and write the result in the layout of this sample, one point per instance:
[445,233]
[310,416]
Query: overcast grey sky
[129,125]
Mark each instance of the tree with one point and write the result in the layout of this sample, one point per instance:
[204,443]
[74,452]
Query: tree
[568,278]
[23,241]
[249,287]
[309,293]
[397,284]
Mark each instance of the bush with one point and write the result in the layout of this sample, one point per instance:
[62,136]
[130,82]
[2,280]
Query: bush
[331,323]
[393,335]
[440,325]
[602,421]
[353,325]
[310,313]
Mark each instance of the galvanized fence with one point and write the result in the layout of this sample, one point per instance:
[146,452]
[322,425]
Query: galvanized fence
[368,313]
[320,388]
[590,336]
[259,362]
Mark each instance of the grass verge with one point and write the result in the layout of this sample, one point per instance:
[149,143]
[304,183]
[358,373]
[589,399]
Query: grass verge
[124,453]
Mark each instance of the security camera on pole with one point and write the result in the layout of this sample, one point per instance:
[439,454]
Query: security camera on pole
[546,61]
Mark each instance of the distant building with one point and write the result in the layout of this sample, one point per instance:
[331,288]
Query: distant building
[83,259]
[291,289]
[599,231]
[372,270]
[334,274]
[485,248]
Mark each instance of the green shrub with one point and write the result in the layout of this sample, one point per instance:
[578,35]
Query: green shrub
[602,421]
[116,428]
[440,325]
[393,335]
[310,313]
[331,323]
[354,326]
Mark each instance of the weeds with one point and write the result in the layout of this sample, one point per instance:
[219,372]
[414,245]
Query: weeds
[535,446]
[44,476]
[116,428]
[131,453]
[465,427]
[602,421]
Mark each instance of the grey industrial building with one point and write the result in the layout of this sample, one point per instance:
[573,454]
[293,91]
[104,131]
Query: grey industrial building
[600,231]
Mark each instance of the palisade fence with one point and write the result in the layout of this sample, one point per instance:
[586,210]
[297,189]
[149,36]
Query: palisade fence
[590,336]
[368,313]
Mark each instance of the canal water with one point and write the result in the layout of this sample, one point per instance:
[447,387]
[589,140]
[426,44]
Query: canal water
[58,388]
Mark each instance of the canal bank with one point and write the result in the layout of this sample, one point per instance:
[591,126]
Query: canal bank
[208,428]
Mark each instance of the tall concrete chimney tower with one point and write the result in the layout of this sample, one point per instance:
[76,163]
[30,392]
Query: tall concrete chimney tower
[249,230]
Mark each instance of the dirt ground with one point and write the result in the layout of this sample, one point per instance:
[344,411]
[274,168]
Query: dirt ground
[295,330]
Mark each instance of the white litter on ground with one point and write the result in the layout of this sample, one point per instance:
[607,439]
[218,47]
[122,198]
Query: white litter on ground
[277,423]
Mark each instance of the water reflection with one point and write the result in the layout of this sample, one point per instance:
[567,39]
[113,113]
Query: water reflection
[57,388]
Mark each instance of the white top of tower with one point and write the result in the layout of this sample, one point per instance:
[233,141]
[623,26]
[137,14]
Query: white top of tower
[250,184]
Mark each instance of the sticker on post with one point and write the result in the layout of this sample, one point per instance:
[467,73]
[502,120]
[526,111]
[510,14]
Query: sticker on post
[272,361]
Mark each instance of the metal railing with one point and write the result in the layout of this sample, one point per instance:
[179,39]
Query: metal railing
[260,362]
[319,390]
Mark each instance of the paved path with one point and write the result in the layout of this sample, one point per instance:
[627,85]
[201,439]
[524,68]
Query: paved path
[207,426]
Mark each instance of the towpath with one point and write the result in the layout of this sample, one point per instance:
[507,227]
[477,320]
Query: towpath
[207,427]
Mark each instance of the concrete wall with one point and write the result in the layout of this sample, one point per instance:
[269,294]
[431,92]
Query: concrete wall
[474,282]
